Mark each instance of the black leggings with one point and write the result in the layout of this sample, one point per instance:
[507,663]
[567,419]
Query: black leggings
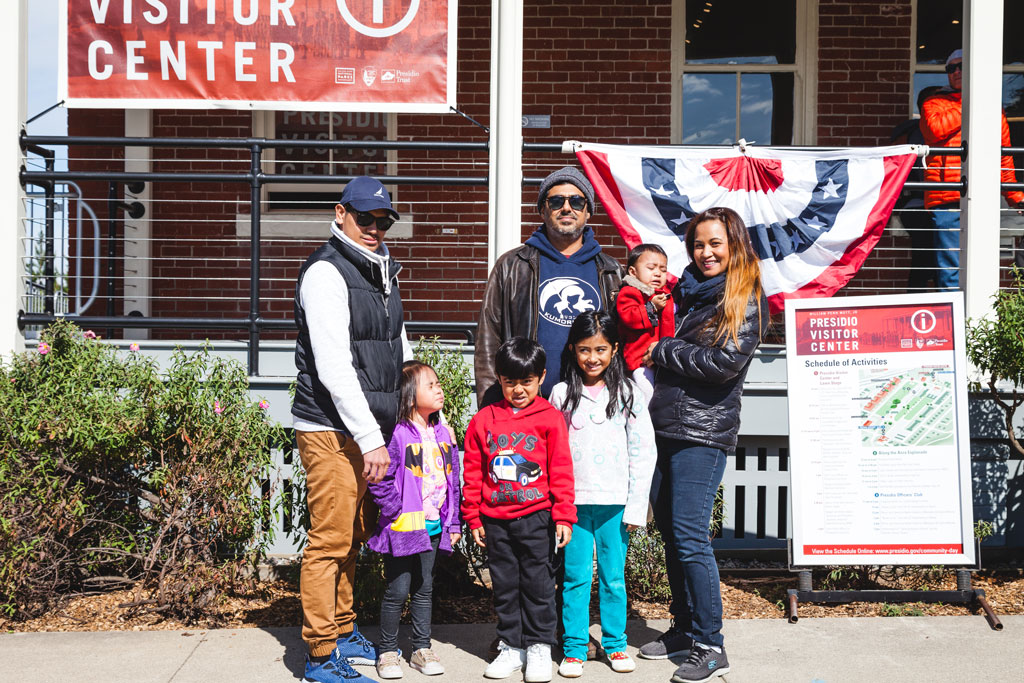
[409,574]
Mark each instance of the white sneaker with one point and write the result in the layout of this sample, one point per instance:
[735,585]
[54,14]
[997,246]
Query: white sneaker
[426,662]
[570,668]
[509,660]
[621,662]
[389,665]
[538,663]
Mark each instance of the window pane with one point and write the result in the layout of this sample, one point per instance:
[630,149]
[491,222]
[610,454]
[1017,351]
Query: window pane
[939,29]
[927,80]
[1013,46]
[302,125]
[766,108]
[709,109]
[740,32]
[360,126]
[1013,105]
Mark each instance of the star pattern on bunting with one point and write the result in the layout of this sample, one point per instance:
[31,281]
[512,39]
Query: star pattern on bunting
[831,189]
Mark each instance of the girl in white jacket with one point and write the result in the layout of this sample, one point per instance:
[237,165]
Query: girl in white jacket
[612,443]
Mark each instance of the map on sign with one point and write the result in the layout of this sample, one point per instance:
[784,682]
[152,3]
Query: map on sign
[906,407]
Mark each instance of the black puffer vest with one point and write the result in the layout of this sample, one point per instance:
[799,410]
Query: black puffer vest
[375,329]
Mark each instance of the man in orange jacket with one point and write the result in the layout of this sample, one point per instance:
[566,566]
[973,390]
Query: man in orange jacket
[940,125]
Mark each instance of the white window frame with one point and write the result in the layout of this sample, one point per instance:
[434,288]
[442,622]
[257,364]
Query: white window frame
[919,68]
[804,70]
[298,224]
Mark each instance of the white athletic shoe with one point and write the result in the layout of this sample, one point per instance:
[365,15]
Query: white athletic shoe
[509,660]
[538,663]
[621,662]
[570,668]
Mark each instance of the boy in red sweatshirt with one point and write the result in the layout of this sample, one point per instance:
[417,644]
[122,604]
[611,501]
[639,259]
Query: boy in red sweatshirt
[518,503]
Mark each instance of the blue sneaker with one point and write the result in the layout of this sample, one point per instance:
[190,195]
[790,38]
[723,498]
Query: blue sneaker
[334,670]
[358,649]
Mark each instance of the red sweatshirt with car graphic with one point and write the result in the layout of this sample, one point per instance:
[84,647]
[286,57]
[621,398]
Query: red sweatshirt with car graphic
[517,463]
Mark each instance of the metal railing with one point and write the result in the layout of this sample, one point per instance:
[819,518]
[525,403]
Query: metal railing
[255,178]
[252,173]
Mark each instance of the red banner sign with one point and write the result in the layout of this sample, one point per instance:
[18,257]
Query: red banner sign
[888,329]
[326,55]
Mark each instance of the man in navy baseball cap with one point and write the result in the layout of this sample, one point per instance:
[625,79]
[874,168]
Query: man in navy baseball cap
[349,352]
[364,212]
[366,194]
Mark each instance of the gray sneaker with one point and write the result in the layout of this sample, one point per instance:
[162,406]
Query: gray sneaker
[426,662]
[702,665]
[671,643]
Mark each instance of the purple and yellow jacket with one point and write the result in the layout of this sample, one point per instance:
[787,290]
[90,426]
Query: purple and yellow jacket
[401,529]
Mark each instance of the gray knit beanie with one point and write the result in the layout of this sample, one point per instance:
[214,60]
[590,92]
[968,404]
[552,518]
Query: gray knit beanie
[570,175]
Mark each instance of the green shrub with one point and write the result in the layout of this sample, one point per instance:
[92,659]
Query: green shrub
[995,346]
[456,380]
[646,576]
[113,474]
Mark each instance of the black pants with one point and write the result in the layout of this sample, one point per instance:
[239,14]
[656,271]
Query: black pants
[519,555]
[409,574]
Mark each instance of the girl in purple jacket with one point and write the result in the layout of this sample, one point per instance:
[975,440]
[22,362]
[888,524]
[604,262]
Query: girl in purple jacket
[419,515]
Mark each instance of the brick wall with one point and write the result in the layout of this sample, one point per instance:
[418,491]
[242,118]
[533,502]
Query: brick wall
[864,81]
[600,70]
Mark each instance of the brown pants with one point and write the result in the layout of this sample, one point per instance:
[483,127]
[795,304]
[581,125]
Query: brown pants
[341,518]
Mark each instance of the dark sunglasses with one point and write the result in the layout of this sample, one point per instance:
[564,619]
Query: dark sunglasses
[366,219]
[577,202]
[950,68]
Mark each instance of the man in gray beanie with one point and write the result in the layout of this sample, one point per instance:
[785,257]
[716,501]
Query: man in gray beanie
[538,289]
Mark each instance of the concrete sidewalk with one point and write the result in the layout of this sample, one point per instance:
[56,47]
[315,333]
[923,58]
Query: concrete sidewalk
[842,650]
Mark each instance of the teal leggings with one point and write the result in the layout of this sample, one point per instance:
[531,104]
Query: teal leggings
[599,525]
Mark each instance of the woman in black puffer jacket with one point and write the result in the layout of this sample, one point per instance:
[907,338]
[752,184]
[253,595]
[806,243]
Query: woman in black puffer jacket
[721,316]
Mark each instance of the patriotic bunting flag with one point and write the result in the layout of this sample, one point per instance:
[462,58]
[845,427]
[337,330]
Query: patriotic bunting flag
[813,216]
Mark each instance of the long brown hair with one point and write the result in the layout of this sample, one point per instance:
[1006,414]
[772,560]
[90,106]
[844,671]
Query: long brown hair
[742,275]
[411,371]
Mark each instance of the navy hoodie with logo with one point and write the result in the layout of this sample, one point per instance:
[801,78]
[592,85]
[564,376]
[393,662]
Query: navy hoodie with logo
[568,286]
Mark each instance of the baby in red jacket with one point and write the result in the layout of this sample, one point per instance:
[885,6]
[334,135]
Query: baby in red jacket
[645,310]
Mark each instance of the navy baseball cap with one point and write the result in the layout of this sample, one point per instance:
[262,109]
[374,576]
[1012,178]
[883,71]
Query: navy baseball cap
[366,194]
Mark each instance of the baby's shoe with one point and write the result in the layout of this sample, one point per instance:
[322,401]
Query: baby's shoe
[509,660]
[538,663]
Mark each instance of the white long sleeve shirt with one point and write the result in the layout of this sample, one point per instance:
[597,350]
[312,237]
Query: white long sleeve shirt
[612,460]
[323,296]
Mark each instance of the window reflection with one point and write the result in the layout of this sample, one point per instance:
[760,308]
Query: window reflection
[939,30]
[766,108]
[709,109]
[740,32]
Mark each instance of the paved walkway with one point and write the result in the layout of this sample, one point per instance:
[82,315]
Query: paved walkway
[847,650]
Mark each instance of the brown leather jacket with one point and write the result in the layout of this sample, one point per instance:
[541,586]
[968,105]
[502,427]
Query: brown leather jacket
[509,309]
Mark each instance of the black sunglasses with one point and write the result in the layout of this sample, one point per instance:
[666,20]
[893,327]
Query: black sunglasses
[366,219]
[950,68]
[577,202]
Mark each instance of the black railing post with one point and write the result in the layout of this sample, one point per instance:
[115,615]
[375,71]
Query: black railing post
[49,283]
[112,207]
[254,262]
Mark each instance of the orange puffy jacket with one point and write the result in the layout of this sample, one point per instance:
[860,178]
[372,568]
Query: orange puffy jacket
[940,125]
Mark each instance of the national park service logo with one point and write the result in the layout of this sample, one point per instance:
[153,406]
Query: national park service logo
[369,75]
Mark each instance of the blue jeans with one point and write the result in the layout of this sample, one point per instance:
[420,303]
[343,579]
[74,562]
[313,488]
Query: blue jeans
[599,525]
[685,483]
[947,246]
